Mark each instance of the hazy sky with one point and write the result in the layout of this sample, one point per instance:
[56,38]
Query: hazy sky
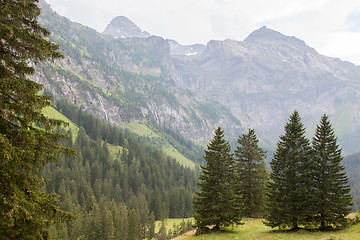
[332,27]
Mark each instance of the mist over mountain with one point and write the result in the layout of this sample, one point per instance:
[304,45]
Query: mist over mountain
[268,75]
[125,75]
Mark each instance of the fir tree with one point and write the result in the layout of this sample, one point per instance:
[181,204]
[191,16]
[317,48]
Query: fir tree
[162,231]
[331,183]
[133,225]
[250,181]
[290,185]
[215,203]
[27,141]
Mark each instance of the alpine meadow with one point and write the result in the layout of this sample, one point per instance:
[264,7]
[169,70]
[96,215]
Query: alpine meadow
[124,135]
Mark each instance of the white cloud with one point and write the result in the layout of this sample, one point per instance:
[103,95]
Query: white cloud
[349,50]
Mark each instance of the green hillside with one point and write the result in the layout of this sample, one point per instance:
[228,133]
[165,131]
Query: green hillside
[170,223]
[141,129]
[53,113]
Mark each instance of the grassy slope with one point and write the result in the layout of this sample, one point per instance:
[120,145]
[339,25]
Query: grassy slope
[172,152]
[140,129]
[255,229]
[53,113]
[144,131]
[169,223]
[137,128]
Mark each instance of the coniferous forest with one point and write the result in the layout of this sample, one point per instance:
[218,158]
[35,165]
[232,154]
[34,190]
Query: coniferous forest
[119,196]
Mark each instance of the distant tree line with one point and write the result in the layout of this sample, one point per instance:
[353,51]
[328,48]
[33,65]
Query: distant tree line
[307,187]
[352,164]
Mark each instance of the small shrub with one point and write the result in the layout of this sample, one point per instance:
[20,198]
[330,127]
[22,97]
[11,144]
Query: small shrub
[356,218]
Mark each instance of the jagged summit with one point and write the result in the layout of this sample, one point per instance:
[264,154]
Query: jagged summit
[265,34]
[122,27]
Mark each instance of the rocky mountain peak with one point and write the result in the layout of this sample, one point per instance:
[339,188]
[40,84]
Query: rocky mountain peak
[122,27]
[264,34]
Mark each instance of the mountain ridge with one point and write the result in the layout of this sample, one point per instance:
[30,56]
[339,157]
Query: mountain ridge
[272,76]
[193,89]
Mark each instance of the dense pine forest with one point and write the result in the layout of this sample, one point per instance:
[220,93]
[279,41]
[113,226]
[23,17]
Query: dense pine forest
[120,195]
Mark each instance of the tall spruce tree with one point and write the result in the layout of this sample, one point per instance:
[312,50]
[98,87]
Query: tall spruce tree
[215,202]
[251,176]
[331,183]
[290,185]
[27,141]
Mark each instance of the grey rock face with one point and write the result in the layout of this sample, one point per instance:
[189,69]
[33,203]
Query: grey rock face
[262,79]
[124,28]
[194,89]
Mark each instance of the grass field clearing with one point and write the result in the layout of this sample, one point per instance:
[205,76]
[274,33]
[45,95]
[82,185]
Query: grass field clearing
[256,230]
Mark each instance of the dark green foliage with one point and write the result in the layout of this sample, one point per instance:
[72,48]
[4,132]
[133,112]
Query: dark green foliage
[303,192]
[136,185]
[333,201]
[94,127]
[215,202]
[290,189]
[162,232]
[250,175]
[134,224]
[27,141]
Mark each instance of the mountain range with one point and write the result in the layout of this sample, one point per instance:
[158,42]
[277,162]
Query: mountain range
[125,74]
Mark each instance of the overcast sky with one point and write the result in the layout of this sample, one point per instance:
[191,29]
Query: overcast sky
[332,27]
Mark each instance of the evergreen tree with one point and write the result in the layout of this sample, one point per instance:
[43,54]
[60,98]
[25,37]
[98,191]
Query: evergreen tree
[27,141]
[108,225]
[251,176]
[162,231]
[151,226]
[133,225]
[290,186]
[215,203]
[331,183]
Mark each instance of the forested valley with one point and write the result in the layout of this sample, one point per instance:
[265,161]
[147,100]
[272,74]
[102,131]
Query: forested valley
[94,180]
[120,195]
